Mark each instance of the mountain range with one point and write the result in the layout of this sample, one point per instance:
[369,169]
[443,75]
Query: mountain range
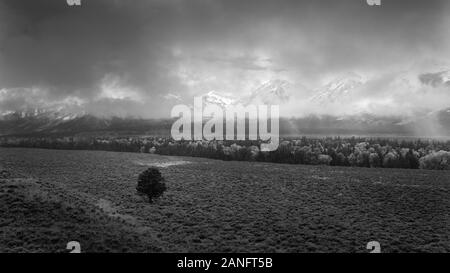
[339,90]
[45,123]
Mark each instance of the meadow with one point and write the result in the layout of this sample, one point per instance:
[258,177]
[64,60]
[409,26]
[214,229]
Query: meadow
[55,196]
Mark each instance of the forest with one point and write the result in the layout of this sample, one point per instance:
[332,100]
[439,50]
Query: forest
[334,151]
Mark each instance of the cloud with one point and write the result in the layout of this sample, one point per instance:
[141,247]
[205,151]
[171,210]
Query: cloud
[435,79]
[134,54]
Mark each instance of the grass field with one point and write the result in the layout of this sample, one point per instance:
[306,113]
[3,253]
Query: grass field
[56,196]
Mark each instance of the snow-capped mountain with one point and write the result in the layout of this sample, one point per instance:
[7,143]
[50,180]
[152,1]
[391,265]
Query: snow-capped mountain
[271,92]
[36,120]
[217,98]
[50,114]
[338,89]
[46,122]
[346,91]
[430,124]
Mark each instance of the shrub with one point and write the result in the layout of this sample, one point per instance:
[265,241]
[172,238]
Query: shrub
[324,159]
[412,159]
[390,160]
[151,183]
[235,151]
[352,159]
[363,159]
[436,161]
[254,152]
[374,160]
[4,174]
[341,160]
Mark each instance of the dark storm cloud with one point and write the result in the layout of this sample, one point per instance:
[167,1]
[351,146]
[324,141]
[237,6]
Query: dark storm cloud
[434,79]
[155,48]
[71,50]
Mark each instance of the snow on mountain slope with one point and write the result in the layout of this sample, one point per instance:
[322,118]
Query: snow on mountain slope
[223,100]
[37,120]
[270,92]
[339,89]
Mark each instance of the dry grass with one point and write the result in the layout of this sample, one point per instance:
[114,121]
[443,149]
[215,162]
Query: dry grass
[216,206]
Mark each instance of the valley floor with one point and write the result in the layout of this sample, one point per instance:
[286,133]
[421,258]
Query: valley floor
[56,196]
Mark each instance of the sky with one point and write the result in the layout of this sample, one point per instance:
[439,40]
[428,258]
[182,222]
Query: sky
[139,58]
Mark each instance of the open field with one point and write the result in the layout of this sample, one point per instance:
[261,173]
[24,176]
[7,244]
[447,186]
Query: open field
[56,196]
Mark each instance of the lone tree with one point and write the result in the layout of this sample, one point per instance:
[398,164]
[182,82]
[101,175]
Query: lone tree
[151,183]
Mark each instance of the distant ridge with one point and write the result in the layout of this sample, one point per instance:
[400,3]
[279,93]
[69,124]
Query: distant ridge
[50,123]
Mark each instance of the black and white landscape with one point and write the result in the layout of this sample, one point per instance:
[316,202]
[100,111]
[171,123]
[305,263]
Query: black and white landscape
[86,151]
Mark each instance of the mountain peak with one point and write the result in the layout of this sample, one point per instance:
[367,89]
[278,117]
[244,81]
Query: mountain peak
[338,88]
[221,99]
[270,92]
